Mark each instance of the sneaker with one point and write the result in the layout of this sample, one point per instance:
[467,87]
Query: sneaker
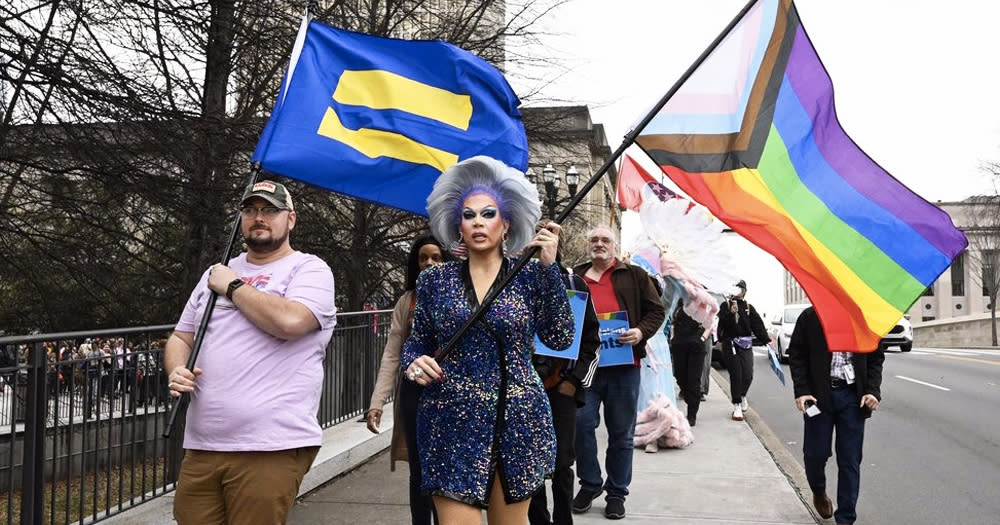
[652,448]
[744,404]
[704,397]
[584,499]
[737,412]
[615,509]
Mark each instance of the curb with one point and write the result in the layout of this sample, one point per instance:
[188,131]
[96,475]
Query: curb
[785,461]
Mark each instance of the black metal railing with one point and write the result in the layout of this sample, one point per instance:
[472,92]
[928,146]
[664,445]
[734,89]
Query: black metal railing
[82,413]
[352,359]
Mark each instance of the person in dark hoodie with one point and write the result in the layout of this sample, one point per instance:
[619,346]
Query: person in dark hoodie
[740,329]
[687,350]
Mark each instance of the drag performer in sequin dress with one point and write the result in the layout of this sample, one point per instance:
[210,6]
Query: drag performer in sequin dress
[484,425]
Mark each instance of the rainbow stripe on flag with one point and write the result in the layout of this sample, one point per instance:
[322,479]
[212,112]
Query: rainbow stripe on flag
[752,135]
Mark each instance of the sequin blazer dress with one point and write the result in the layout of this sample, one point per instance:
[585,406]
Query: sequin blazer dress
[490,414]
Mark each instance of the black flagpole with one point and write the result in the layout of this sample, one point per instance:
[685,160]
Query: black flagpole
[575,201]
[205,317]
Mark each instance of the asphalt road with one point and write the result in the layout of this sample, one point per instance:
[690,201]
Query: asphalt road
[932,450]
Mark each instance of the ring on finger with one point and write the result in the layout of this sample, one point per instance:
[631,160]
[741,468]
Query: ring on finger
[418,372]
[411,376]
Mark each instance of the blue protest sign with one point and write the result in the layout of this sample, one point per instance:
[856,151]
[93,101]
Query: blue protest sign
[612,326]
[772,358]
[578,304]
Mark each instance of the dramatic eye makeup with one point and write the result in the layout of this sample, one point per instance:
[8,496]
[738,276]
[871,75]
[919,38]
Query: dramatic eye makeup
[488,212]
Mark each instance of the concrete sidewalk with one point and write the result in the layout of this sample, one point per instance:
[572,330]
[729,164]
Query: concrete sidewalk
[727,476]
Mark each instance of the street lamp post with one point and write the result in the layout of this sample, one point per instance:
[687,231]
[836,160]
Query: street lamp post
[551,180]
[572,179]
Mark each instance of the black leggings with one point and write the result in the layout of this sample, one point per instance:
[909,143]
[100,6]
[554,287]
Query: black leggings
[421,505]
[564,421]
[688,363]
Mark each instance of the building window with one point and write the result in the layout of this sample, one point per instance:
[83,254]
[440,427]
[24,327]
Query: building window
[958,276]
[929,291]
[989,270]
[927,318]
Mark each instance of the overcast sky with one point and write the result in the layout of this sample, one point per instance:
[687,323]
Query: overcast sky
[915,83]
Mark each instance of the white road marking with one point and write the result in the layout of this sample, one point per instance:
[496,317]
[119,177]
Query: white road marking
[919,382]
[950,351]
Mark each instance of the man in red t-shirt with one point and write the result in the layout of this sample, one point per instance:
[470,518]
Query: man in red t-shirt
[614,286]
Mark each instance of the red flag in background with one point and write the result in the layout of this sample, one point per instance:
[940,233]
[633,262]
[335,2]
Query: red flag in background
[634,183]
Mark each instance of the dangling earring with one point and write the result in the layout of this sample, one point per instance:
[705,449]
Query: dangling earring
[504,244]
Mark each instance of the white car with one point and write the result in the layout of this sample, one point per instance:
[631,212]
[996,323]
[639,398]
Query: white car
[901,335]
[784,325]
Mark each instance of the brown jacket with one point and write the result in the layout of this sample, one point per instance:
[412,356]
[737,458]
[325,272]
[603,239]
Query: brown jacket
[387,380]
[637,295]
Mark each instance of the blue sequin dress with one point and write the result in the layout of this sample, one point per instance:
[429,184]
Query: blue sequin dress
[491,414]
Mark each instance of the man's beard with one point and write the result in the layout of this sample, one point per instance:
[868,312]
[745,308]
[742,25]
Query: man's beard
[265,244]
[603,256]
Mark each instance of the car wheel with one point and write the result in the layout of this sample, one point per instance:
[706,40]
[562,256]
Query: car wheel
[906,347]
[782,357]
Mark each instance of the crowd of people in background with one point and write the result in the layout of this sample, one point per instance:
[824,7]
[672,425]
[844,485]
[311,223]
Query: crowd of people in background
[91,369]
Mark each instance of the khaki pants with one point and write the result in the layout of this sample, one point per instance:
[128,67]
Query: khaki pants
[239,487]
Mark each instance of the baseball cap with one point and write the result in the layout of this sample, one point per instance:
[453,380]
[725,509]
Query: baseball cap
[272,192]
[742,284]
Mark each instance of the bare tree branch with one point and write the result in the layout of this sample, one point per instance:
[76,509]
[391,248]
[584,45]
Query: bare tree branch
[126,135]
[983,231]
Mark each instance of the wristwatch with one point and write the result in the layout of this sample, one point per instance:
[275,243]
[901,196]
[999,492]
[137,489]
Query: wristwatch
[233,285]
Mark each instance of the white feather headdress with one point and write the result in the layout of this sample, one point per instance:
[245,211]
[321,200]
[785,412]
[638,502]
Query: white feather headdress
[686,235]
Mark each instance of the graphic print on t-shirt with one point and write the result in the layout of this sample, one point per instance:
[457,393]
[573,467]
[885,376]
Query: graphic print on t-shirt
[258,281]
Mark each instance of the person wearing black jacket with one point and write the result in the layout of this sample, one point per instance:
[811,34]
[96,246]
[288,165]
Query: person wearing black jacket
[687,349]
[565,381]
[740,329]
[846,389]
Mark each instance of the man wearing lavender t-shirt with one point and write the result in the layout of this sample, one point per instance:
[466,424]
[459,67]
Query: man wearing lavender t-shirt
[251,432]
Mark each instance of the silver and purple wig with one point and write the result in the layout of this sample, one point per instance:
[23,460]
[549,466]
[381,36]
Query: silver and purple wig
[516,198]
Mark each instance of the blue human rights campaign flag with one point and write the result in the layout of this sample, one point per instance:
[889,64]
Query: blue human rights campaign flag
[379,119]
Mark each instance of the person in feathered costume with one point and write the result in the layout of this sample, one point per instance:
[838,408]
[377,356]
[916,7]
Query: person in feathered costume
[659,423]
[663,424]
[681,243]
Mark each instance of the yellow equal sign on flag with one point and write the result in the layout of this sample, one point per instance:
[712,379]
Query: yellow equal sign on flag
[379,119]
[377,89]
